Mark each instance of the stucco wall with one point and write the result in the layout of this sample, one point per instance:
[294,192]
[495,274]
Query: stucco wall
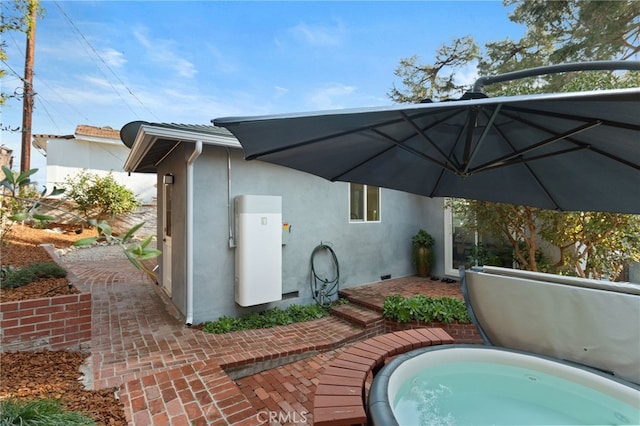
[175,165]
[317,211]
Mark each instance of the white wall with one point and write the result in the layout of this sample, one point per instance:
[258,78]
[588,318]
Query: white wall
[68,157]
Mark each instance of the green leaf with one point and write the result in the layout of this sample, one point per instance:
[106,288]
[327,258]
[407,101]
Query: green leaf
[43,217]
[146,241]
[57,191]
[25,176]
[131,231]
[134,261]
[85,241]
[8,175]
[18,217]
[104,228]
[148,254]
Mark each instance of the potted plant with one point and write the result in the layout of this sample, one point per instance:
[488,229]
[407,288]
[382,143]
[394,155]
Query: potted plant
[423,252]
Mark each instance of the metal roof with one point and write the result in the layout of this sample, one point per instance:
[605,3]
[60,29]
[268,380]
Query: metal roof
[151,142]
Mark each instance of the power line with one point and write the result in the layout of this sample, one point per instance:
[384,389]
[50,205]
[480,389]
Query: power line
[79,33]
[39,97]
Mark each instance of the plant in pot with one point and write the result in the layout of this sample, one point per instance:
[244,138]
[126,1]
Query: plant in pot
[423,252]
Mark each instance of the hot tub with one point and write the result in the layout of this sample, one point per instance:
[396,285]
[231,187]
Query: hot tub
[478,385]
[558,350]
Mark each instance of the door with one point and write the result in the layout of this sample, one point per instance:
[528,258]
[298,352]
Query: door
[166,234]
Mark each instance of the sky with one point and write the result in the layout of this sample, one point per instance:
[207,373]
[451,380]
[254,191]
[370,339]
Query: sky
[107,63]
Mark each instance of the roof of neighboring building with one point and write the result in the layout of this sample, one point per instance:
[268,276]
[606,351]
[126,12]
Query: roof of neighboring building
[94,134]
[151,142]
[102,132]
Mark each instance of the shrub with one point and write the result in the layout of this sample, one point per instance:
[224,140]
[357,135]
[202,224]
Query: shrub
[99,196]
[19,277]
[266,319]
[39,412]
[427,309]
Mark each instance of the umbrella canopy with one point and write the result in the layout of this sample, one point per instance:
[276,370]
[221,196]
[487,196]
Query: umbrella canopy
[565,151]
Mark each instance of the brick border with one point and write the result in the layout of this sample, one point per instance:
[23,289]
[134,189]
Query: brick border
[462,333]
[53,323]
[340,396]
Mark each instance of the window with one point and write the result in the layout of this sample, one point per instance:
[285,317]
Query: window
[364,203]
[462,245]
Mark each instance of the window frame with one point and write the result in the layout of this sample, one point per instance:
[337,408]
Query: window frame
[448,240]
[364,207]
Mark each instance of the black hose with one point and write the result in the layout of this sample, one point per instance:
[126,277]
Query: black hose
[324,289]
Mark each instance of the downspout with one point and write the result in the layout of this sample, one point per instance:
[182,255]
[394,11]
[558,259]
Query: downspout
[194,155]
[230,221]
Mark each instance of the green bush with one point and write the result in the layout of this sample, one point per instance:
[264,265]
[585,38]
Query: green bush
[427,309]
[99,196]
[18,277]
[39,412]
[266,319]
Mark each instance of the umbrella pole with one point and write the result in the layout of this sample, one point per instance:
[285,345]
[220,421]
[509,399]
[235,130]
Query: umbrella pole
[481,82]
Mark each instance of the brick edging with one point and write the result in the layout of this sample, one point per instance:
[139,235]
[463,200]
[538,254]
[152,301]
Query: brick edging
[462,333]
[53,323]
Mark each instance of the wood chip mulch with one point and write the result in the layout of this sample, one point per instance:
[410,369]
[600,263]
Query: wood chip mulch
[49,374]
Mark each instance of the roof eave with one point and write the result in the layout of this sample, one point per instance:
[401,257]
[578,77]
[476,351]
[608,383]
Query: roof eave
[149,134]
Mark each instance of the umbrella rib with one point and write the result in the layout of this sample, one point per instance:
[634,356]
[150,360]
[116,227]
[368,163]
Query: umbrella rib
[413,151]
[319,139]
[422,133]
[615,158]
[396,144]
[566,116]
[521,159]
[518,153]
[482,137]
[543,188]
[472,122]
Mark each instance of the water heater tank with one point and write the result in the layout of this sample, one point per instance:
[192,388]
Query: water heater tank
[258,269]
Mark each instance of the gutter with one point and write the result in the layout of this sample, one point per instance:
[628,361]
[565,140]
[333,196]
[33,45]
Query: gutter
[194,155]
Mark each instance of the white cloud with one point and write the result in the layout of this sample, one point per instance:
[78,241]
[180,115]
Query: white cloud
[161,51]
[113,58]
[318,35]
[330,96]
[467,75]
[280,91]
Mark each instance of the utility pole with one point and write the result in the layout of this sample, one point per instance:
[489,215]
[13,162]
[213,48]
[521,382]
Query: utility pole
[28,96]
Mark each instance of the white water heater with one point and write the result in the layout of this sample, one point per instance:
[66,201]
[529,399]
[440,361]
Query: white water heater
[258,269]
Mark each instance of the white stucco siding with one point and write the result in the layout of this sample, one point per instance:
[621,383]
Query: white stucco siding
[69,157]
[317,211]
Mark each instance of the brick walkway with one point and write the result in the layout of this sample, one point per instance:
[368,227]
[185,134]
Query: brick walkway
[167,373]
[170,374]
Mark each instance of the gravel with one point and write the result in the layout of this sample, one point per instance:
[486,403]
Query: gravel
[91,253]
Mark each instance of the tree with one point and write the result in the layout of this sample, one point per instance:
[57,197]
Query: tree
[15,15]
[427,81]
[590,244]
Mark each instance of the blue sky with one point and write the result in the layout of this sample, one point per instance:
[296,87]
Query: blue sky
[106,63]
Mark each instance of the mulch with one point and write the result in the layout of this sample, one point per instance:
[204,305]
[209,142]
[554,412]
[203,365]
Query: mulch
[49,374]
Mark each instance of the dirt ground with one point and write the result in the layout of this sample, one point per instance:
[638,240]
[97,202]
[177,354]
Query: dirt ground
[46,374]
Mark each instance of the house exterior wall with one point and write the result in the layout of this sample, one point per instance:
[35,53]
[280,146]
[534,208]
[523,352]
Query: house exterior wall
[317,211]
[70,156]
[175,164]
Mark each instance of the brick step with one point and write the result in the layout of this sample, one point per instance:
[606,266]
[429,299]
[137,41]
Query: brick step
[367,302]
[359,315]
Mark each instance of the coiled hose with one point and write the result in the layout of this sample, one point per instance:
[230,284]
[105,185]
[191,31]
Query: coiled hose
[324,289]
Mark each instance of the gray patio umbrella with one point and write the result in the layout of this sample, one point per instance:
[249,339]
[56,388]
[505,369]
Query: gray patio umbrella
[565,151]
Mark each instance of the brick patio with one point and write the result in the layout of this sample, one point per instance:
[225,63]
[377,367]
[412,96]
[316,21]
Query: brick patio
[168,373]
